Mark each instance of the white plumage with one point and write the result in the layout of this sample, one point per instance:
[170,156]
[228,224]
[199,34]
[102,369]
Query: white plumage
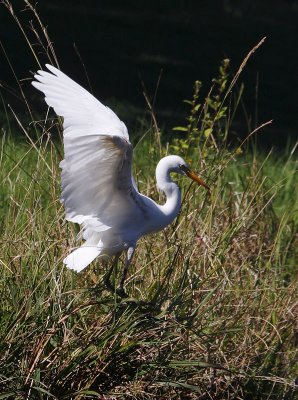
[98,189]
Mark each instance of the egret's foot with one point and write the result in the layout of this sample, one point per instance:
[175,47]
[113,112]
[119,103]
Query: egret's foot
[121,292]
[110,287]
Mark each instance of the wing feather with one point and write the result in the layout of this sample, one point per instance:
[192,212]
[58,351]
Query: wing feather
[97,182]
[78,107]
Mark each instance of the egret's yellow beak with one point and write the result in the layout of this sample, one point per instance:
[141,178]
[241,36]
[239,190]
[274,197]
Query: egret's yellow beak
[194,177]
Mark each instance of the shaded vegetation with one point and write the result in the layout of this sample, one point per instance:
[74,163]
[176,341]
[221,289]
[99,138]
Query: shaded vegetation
[127,45]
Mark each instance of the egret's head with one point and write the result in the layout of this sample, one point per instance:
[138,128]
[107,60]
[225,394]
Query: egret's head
[178,165]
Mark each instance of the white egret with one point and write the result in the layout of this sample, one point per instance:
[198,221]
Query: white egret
[98,188]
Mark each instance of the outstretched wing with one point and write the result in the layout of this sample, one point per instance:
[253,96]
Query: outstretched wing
[97,182]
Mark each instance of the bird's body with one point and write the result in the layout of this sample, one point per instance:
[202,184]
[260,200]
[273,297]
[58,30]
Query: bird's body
[148,218]
[98,188]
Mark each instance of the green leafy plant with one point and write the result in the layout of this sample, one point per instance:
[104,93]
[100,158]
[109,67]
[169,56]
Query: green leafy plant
[206,116]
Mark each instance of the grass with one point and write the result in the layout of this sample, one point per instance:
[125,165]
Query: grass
[215,292]
[212,312]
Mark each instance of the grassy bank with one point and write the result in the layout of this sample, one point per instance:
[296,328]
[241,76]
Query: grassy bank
[212,310]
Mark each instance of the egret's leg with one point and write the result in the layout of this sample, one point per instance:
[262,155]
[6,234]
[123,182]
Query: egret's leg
[107,276]
[128,260]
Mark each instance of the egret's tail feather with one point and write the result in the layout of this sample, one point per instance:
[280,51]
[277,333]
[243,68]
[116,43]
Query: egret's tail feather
[81,257]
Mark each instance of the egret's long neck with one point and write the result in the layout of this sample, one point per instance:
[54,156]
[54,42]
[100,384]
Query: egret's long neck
[165,183]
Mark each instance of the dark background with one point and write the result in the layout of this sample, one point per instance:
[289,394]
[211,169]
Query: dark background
[126,45]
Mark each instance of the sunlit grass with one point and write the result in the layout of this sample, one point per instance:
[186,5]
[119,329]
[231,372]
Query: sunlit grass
[214,291]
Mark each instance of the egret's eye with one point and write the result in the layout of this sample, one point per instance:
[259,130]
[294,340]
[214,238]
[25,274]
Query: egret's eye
[184,168]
